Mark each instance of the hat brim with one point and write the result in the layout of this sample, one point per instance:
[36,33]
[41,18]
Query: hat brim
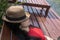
[5,19]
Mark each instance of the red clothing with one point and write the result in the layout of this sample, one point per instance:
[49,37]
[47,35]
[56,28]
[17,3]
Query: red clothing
[33,34]
[36,32]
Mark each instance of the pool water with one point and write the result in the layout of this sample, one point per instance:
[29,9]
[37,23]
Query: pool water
[55,4]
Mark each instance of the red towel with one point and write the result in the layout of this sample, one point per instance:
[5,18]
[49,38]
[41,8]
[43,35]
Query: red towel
[36,32]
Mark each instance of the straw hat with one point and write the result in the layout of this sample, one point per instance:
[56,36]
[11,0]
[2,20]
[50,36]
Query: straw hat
[15,14]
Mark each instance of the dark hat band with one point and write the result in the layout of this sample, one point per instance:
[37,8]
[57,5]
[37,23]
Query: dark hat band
[16,19]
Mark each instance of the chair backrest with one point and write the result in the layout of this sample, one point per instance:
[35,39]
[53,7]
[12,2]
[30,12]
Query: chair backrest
[5,33]
[47,7]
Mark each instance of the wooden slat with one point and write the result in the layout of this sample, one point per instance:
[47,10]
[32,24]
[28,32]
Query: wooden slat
[55,30]
[6,35]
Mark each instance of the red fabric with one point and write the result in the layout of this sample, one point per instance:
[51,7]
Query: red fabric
[37,32]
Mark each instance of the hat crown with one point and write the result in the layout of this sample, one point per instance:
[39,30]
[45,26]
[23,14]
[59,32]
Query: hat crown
[15,12]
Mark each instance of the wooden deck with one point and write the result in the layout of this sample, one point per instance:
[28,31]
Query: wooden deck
[49,25]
